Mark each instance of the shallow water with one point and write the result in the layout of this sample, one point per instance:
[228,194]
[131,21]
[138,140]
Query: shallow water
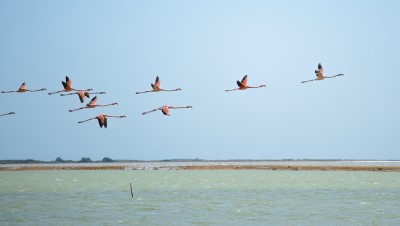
[199,198]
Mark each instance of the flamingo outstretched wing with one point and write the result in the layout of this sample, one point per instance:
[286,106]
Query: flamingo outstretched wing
[23,86]
[66,83]
[244,81]
[100,122]
[320,72]
[81,95]
[105,122]
[93,101]
[156,83]
[101,119]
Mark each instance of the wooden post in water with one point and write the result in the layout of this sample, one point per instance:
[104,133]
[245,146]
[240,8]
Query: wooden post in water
[131,189]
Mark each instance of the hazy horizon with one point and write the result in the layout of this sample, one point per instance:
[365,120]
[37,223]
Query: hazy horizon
[197,159]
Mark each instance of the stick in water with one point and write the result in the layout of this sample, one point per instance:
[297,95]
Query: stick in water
[131,189]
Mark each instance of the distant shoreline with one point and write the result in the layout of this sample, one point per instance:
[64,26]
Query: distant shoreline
[205,166]
[33,161]
[294,168]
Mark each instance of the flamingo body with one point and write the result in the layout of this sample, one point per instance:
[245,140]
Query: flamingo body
[68,86]
[82,94]
[93,104]
[243,85]
[165,109]
[320,74]
[102,119]
[23,89]
[156,87]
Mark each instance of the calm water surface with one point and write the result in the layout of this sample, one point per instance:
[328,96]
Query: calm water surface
[199,198]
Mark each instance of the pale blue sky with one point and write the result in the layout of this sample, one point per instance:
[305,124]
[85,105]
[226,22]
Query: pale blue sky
[202,47]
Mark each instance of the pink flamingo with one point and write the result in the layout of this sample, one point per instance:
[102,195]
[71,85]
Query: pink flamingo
[157,88]
[10,113]
[102,119]
[82,94]
[165,109]
[92,104]
[243,85]
[68,87]
[320,74]
[23,89]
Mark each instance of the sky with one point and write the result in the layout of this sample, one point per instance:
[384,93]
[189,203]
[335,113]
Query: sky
[202,47]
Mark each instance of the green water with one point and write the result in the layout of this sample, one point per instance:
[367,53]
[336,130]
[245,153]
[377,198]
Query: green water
[199,198]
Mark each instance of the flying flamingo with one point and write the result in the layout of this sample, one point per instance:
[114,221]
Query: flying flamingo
[320,74]
[10,113]
[92,104]
[23,89]
[82,94]
[68,86]
[243,85]
[165,109]
[157,88]
[102,119]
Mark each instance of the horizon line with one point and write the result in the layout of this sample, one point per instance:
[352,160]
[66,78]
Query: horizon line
[186,160]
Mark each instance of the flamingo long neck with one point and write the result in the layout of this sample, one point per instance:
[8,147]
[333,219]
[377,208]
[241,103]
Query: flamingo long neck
[67,94]
[36,90]
[62,91]
[87,90]
[334,76]
[102,105]
[256,86]
[179,107]
[56,92]
[123,116]
[169,90]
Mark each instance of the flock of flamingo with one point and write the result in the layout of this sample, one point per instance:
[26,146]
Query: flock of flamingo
[156,87]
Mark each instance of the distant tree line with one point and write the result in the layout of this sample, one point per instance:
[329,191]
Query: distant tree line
[107,159]
[20,161]
[83,160]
